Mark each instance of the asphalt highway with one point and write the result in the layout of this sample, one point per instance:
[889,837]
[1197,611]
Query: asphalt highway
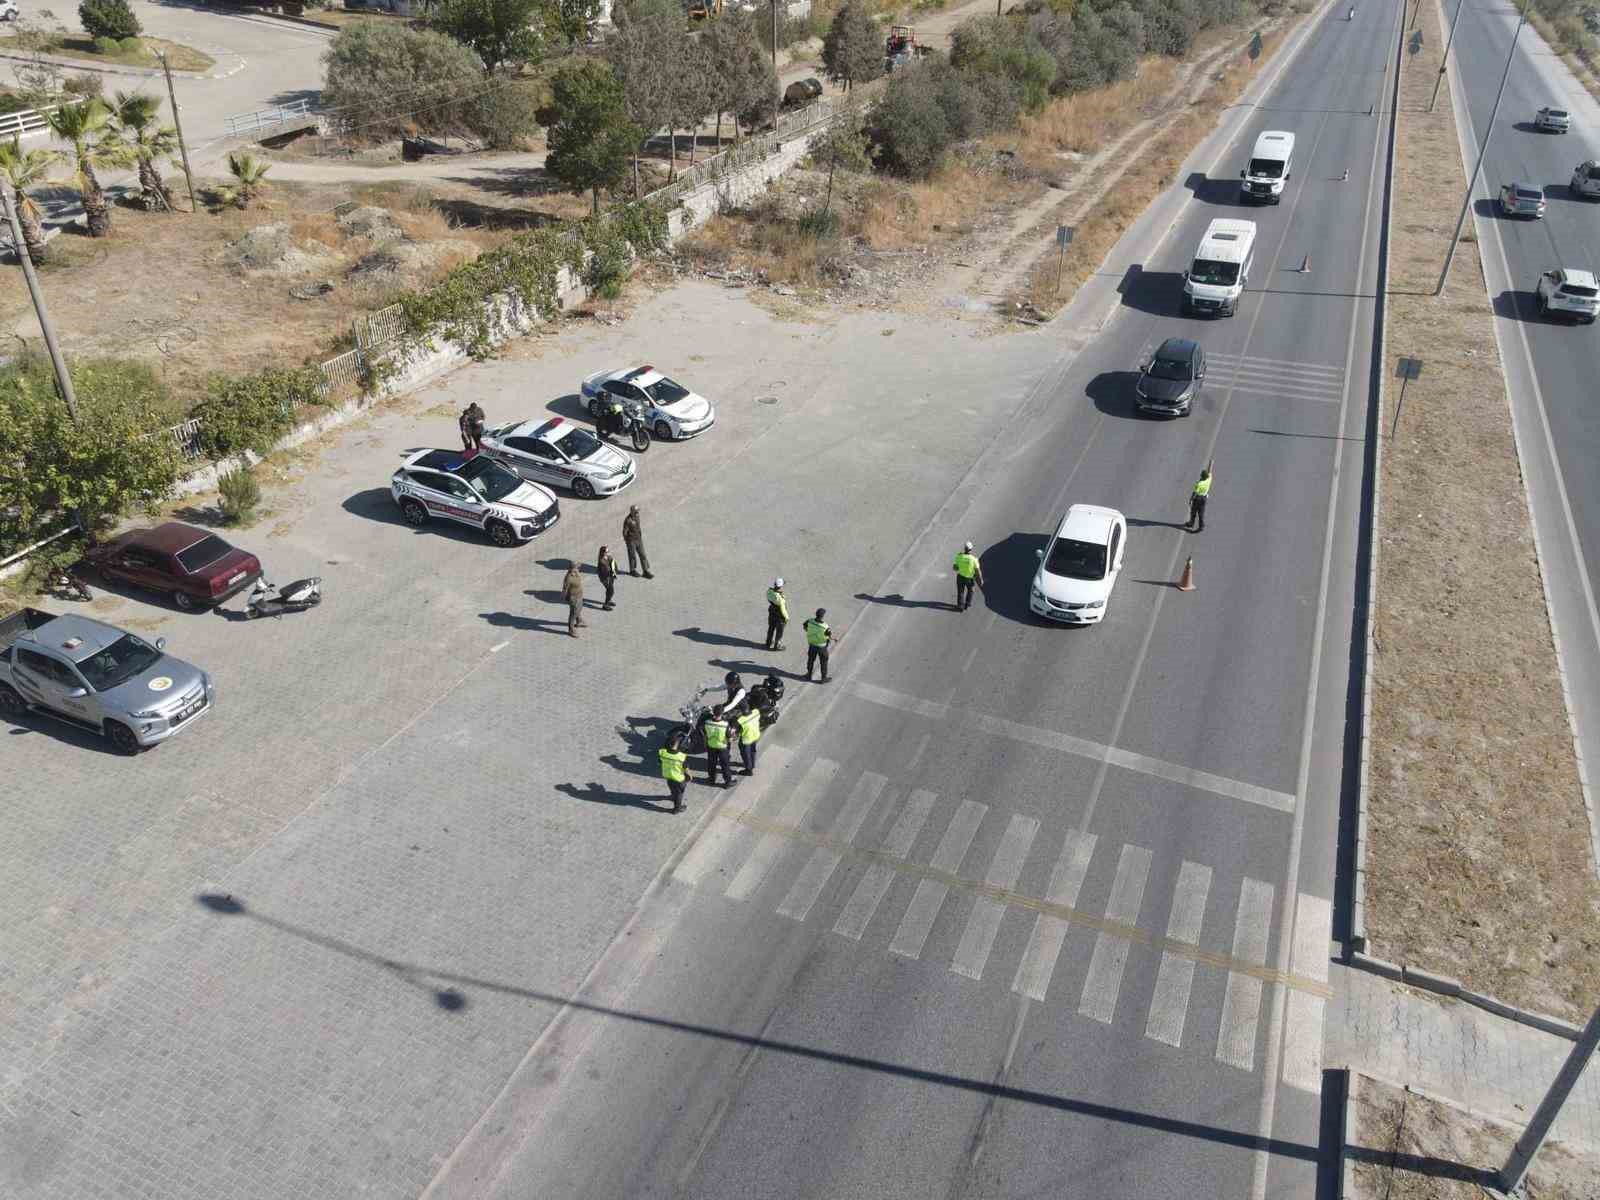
[1012,909]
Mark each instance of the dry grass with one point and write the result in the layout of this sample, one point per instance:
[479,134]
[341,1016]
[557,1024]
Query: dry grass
[1478,857]
[896,215]
[1081,123]
[1409,1147]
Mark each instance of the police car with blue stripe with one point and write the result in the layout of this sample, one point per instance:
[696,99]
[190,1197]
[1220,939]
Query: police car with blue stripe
[472,489]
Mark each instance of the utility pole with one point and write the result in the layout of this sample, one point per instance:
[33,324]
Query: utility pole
[177,123]
[1515,1171]
[777,99]
[1488,132]
[1445,61]
[63,378]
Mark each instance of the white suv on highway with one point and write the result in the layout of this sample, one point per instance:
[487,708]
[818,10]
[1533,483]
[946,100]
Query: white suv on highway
[1552,120]
[1586,180]
[1569,293]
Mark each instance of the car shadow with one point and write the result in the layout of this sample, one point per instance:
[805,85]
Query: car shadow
[572,406]
[597,794]
[63,731]
[896,600]
[1159,293]
[206,515]
[505,620]
[759,670]
[1213,191]
[1151,523]
[707,638]
[1526,127]
[1563,191]
[1008,565]
[1518,306]
[139,595]
[1112,393]
[377,504]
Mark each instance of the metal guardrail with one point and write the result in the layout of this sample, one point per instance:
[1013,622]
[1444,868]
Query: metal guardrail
[186,437]
[380,328]
[268,118]
[340,373]
[28,122]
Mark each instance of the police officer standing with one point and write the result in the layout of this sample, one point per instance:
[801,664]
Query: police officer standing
[633,538]
[1197,502]
[819,638]
[777,614]
[717,730]
[672,770]
[968,572]
[749,735]
[606,567]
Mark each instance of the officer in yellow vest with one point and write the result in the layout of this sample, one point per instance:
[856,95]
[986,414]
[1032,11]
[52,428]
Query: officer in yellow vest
[717,730]
[749,736]
[777,614]
[818,640]
[968,573]
[672,770]
[1197,502]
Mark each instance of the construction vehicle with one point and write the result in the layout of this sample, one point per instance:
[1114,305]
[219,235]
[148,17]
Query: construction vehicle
[901,47]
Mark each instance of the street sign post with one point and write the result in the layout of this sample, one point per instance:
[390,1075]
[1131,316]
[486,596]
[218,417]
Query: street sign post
[1405,370]
[1063,240]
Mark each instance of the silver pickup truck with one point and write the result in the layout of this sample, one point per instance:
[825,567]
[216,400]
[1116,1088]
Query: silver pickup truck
[98,676]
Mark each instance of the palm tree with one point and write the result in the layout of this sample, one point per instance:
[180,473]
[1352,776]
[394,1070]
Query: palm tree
[249,174]
[24,169]
[137,120]
[96,143]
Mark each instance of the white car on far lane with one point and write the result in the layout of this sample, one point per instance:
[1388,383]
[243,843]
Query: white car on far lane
[1079,567]
[673,411]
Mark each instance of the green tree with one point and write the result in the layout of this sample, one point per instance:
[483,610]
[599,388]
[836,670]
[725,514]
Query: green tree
[96,144]
[114,459]
[852,49]
[499,32]
[24,169]
[641,52]
[689,97]
[572,21]
[843,146]
[590,133]
[1006,50]
[138,117]
[758,85]
[108,18]
[370,67]
[249,177]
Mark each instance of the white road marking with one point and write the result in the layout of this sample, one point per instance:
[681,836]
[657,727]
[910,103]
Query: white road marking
[916,755]
[1281,366]
[1110,955]
[795,807]
[1171,1001]
[1279,389]
[1241,1003]
[824,862]
[714,841]
[1303,1017]
[864,901]
[984,922]
[1052,739]
[500,647]
[1044,945]
[930,894]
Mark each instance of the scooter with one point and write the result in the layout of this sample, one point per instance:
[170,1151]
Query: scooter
[295,597]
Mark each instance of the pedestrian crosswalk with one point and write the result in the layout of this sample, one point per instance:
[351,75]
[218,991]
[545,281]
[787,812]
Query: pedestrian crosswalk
[1275,377]
[797,840]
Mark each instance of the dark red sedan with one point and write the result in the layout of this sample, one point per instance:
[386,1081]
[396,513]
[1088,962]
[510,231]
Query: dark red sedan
[192,567]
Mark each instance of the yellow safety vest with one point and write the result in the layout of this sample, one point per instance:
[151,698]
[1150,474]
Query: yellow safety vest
[716,735]
[1202,486]
[778,601]
[966,565]
[672,765]
[749,727]
[817,632]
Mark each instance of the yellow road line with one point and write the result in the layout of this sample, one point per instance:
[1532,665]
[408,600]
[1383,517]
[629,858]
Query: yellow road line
[1088,920]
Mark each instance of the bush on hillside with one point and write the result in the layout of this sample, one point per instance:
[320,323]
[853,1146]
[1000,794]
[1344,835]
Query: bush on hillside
[368,65]
[930,107]
[108,18]
[1005,48]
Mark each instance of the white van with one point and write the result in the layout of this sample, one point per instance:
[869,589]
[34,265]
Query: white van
[1269,168]
[1214,283]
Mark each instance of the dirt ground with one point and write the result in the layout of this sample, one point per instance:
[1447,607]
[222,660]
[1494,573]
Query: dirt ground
[1408,1147]
[1478,853]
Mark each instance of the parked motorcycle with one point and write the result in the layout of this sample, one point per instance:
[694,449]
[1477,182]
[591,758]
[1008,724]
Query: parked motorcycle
[631,422]
[295,597]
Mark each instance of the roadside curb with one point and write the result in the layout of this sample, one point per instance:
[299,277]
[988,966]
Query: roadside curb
[78,64]
[1454,989]
[1347,1124]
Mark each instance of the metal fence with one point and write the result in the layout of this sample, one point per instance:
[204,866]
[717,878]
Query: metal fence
[265,119]
[186,437]
[28,122]
[752,148]
[380,328]
[339,373]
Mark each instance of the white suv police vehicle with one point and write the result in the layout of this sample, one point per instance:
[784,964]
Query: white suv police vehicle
[472,489]
[559,452]
[1569,293]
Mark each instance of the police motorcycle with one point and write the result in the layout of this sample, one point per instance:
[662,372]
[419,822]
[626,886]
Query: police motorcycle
[763,697]
[294,597]
[628,420]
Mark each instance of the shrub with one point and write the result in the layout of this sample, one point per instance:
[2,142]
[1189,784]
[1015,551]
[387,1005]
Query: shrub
[10,103]
[253,411]
[608,268]
[106,45]
[1170,25]
[504,115]
[369,64]
[131,45]
[85,85]
[1008,50]
[109,18]
[238,494]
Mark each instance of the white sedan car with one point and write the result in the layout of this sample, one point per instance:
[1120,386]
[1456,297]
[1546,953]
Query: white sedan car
[561,453]
[1079,567]
[673,411]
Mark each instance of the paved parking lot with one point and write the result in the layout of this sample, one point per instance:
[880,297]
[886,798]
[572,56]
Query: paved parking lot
[298,950]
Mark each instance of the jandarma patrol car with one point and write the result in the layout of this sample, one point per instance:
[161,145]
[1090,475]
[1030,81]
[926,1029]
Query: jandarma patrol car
[472,490]
[561,453]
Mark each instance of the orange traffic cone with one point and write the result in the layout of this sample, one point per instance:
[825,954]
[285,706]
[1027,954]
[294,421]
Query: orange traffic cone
[1186,584]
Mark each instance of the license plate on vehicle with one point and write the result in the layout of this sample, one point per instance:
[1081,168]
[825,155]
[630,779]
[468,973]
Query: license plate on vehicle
[235,579]
[188,711]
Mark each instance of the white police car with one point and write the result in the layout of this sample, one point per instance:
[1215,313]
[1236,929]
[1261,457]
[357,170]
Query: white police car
[559,452]
[473,490]
[672,409]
